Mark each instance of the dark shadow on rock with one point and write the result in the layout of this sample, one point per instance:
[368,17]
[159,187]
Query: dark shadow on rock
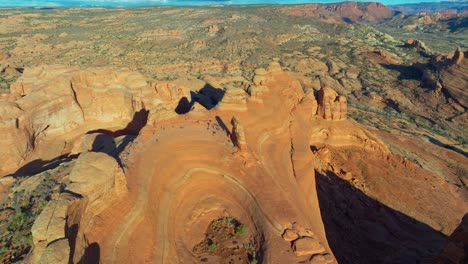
[71,234]
[455,24]
[92,254]
[107,144]
[407,72]
[138,121]
[208,97]
[348,20]
[39,165]
[223,126]
[104,143]
[360,229]
[184,106]
[451,147]
[456,247]
[215,94]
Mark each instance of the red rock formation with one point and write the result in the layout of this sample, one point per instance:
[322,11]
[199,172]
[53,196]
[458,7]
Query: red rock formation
[59,104]
[98,179]
[331,106]
[186,169]
[417,44]
[16,139]
[458,57]
[238,134]
[454,79]
[349,12]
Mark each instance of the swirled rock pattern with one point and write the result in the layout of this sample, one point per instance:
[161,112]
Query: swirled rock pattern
[203,151]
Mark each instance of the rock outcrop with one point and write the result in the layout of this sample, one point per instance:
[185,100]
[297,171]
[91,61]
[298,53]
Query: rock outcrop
[234,99]
[454,79]
[186,168]
[458,57]
[238,134]
[274,66]
[16,139]
[418,45]
[61,103]
[307,246]
[331,106]
[48,229]
[258,86]
[96,180]
[4,56]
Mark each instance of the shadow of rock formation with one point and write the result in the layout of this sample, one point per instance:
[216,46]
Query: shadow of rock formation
[184,106]
[92,254]
[456,247]
[139,120]
[208,97]
[39,165]
[102,143]
[451,147]
[407,72]
[360,229]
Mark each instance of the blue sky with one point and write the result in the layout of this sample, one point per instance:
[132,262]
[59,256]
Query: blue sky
[50,3]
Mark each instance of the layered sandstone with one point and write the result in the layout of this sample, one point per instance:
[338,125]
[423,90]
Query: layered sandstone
[175,195]
[205,149]
[16,139]
[96,180]
[61,103]
[331,106]
[454,78]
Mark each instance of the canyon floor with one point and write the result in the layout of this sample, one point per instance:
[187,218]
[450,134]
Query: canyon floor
[233,134]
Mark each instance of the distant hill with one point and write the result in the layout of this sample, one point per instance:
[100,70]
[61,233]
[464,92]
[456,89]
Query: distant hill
[458,6]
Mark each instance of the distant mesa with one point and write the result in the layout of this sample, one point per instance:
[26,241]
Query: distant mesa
[347,12]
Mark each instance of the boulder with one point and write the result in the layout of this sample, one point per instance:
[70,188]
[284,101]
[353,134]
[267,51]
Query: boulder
[307,246]
[97,142]
[49,225]
[274,66]
[95,175]
[321,259]
[57,252]
[11,71]
[290,235]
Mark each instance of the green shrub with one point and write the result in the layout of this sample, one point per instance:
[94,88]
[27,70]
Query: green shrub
[241,229]
[213,247]
[17,221]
